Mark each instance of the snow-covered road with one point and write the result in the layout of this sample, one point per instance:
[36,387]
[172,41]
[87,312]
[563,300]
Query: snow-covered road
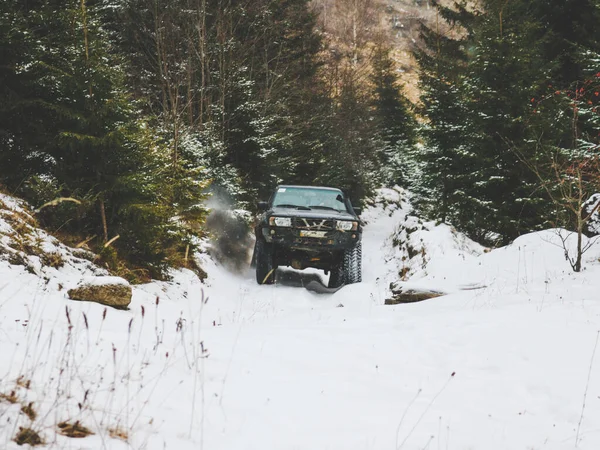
[279,367]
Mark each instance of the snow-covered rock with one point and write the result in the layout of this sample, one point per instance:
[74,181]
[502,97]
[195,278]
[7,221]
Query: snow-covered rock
[110,291]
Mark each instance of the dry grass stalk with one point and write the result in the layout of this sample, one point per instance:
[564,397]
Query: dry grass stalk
[28,436]
[29,411]
[10,398]
[112,240]
[85,241]
[74,430]
[23,382]
[118,433]
[52,259]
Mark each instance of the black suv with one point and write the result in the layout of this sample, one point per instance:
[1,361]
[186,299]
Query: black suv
[309,226]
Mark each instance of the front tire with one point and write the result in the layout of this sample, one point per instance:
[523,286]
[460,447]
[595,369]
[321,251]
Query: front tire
[265,269]
[336,276]
[349,270]
[353,264]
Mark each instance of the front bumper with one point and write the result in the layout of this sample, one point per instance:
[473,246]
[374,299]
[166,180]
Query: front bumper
[294,238]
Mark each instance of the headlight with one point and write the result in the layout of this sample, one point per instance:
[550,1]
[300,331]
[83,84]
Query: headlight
[346,225]
[280,221]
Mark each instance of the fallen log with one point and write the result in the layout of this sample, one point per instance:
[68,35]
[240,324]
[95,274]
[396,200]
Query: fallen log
[402,294]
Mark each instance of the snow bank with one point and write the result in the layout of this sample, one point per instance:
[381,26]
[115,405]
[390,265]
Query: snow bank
[25,247]
[535,259]
[103,281]
[415,248]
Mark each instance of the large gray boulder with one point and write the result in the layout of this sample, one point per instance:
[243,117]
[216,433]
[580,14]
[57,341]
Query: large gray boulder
[110,291]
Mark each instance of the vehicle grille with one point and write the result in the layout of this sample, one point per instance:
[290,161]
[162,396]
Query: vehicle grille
[313,224]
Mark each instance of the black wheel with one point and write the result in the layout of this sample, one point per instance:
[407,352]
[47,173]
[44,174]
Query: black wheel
[265,269]
[253,260]
[353,264]
[349,270]
[336,276]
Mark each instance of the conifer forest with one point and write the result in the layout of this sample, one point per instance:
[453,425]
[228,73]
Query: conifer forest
[120,118]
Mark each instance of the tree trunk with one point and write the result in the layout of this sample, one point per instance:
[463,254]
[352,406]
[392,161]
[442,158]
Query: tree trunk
[103,217]
[577,265]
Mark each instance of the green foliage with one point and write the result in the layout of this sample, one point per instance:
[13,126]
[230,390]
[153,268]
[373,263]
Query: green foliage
[447,185]
[25,116]
[87,141]
[394,118]
[243,85]
[134,106]
[488,97]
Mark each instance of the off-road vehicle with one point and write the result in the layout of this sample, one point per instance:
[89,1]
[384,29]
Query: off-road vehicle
[309,226]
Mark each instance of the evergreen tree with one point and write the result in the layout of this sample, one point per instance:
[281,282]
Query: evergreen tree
[394,120]
[567,31]
[500,78]
[496,83]
[66,86]
[26,113]
[447,188]
[350,159]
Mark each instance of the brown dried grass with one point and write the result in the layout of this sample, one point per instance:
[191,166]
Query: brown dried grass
[74,430]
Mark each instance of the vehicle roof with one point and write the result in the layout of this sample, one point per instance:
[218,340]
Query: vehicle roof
[308,187]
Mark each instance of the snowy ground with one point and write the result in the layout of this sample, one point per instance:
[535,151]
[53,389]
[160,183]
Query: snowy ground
[233,365]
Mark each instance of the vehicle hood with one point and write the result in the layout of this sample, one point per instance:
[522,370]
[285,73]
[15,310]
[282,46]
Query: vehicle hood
[311,214]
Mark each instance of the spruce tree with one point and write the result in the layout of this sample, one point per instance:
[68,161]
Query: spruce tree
[27,111]
[500,80]
[568,30]
[497,84]
[447,188]
[393,119]
[72,121]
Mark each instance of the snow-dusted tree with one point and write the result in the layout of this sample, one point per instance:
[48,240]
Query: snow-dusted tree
[566,31]
[447,188]
[96,147]
[569,171]
[244,71]
[394,119]
[510,59]
[350,159]
[26,108]
[502,74]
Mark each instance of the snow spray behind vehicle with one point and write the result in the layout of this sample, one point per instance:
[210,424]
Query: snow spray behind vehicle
[231,240]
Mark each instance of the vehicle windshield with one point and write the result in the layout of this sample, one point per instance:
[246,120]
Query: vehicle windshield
[313,198]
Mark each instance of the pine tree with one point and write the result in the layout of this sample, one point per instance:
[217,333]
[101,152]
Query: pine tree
[567,30]
[496,86]
[350,159]
[66,85]
[447,188]
[246,72]
[26,114]
[394,119]
[500,79]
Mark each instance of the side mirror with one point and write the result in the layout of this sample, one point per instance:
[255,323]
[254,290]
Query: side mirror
[263,206]
[357,211]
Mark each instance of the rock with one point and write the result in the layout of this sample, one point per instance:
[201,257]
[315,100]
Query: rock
[410,295]
[110,291]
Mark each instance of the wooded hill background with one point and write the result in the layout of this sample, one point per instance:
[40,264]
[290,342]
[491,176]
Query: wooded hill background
[134,108]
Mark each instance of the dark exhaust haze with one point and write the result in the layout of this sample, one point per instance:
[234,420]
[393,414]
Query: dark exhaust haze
[231,238]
